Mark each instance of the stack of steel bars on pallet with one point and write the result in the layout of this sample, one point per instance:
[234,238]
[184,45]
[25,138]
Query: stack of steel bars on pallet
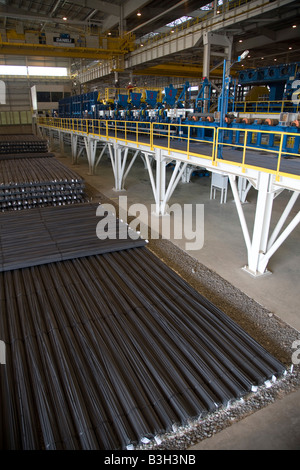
[31,179]
[103,351]
[49,234]
[106,351]
[13,145]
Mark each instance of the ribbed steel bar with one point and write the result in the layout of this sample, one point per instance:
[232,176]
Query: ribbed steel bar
[113,348]
[38,182]
[15,144]
[44,235]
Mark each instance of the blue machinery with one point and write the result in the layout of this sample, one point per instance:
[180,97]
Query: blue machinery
[275,112]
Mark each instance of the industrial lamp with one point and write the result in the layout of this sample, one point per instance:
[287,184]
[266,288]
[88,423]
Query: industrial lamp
[242,56]
[223,105]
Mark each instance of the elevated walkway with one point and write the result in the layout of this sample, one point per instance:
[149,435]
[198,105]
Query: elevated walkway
[245,163]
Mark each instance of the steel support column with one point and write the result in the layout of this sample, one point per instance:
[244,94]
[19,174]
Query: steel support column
[162,193]
[74,142]
[61,142]
[214,39]
[261,247]
[118,156]
[243,187]
[90,146]
[262,220]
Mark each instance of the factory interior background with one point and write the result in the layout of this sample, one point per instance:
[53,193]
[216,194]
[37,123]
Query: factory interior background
[149,225]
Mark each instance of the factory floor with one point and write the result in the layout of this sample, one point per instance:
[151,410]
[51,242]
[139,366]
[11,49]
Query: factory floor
[277,426]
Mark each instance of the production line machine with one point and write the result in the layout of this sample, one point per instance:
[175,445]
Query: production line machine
[275,107]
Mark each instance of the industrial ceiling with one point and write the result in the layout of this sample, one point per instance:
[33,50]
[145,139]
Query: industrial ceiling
[271,37]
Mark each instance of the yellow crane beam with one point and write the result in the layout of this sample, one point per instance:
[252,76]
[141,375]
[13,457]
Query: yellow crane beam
[8,48]
[179,70]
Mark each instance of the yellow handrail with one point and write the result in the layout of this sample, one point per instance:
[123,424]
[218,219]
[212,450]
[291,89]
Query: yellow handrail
[245,146]
[213,147]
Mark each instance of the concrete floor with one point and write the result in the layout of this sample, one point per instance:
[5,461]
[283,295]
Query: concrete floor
[278,425]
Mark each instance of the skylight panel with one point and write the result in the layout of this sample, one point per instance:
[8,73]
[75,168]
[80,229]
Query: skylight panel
[181,20]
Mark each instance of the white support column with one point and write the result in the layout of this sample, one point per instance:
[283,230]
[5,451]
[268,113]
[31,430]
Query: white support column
[283,218]
[162,194]
[187,173]
[61,142]
[206,55]
[261,223]
[239,208]
[206,66]
[148,160]
[261,247]
[160,180]
[90,146]
[101,154]
[176,175]
[74,142]
[264,258]
[243,186]
[118,156]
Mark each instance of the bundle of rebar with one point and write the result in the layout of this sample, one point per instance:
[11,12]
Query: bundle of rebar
[48,234]
[22,144]
[106,351]
[38,182]
[102,351]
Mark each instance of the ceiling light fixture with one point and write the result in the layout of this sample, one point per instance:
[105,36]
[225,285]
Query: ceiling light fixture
[65,18]
[294,26]
[243,55]
[139,13]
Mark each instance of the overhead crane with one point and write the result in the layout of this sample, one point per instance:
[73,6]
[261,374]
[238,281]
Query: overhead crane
[33,44]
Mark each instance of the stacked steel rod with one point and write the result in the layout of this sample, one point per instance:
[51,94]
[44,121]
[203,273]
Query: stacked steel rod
[29,178]
[102,351]
[107,350]
[22,144]
[49,234]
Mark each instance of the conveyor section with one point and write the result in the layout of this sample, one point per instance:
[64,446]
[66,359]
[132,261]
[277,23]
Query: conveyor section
[45,235]
[104,350]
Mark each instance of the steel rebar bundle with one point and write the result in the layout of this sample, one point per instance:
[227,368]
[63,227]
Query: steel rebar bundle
[14,144]
[37,182]
[105,350]
[104,344]
[30,238]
